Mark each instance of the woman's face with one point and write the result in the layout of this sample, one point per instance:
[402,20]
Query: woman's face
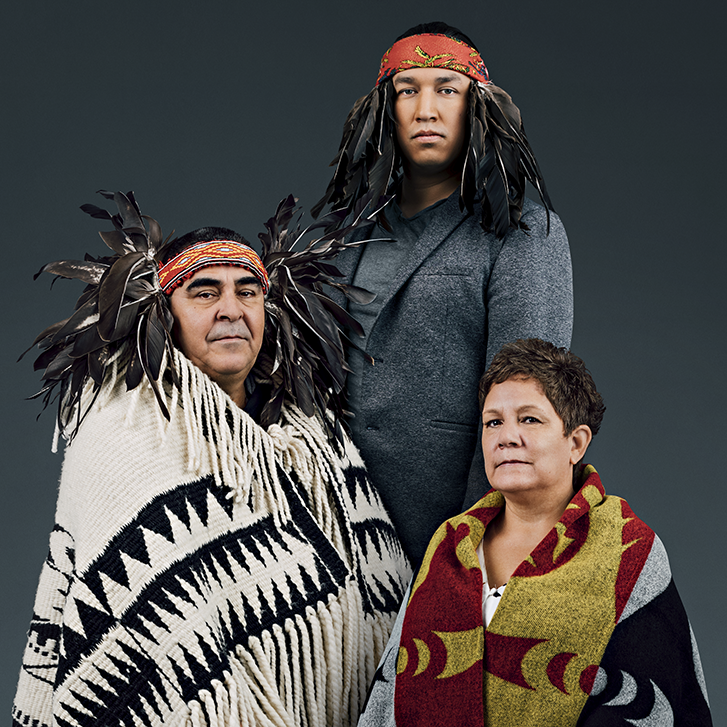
[523,440]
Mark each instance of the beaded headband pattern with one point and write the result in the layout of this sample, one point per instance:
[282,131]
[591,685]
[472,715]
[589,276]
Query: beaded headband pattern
[207,254]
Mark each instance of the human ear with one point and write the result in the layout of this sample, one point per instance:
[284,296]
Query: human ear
[580,438]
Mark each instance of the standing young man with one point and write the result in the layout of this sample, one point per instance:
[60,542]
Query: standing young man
[472,264]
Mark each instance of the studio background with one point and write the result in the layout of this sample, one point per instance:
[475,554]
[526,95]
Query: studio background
[213,112]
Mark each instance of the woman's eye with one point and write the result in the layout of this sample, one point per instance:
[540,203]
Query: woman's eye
[492,423]
[531,420]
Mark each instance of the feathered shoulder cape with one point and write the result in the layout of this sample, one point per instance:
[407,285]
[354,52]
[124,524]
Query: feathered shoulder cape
[204,570]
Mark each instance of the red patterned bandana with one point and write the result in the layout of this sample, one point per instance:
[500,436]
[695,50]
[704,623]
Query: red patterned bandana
[433,50]
[207,254]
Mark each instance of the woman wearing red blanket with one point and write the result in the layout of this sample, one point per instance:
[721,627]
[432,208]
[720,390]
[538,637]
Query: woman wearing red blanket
[548,602]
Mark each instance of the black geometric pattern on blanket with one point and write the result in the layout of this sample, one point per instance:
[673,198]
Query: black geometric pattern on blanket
[294,568]
[650,674]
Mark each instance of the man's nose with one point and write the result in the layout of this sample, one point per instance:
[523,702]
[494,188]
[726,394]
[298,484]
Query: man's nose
[228,307]
[426,105]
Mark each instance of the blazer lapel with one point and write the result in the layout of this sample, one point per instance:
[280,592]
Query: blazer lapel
[347,261]
[436,232]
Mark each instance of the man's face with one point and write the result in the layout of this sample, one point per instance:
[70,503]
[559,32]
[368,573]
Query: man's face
[431,113]
[219,320]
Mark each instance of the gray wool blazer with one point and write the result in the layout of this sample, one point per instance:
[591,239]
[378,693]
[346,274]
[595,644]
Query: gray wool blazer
[456,299]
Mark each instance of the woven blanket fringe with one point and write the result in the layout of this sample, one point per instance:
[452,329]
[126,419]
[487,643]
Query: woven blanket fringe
[287,677]
[303,448]
[222,437]
[224,440]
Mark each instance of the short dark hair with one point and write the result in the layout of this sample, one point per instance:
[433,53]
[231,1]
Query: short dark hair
[564,378]
[440,28]
[202,234]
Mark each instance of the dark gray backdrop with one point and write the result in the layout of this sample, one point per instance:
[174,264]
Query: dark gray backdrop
[212,112]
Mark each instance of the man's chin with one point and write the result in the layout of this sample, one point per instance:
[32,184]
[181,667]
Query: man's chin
[433,165]
[226,367]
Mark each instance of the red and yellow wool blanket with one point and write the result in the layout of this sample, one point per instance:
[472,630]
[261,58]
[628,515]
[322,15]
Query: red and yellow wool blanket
[590,630]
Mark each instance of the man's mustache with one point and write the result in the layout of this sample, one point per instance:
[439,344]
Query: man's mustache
[229,330]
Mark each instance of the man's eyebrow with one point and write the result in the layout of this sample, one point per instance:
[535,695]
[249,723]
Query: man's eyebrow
[216,283]
[248,280]
[203,283]
[403,80]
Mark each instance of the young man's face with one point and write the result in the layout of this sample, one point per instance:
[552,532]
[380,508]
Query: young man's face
[431,113]
[219,320]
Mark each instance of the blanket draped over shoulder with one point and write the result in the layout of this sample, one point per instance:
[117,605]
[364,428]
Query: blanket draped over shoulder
[205,571]
[589,631]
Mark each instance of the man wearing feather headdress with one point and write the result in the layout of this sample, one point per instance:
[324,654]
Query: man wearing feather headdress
[467,264]
[219,555]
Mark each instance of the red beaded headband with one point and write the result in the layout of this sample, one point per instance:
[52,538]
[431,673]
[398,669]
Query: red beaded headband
[207,254]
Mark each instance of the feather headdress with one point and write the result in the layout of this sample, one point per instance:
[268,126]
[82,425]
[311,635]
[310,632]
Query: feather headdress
[368,156]
[124,314]
[302,355]
[121,310]
[497,164]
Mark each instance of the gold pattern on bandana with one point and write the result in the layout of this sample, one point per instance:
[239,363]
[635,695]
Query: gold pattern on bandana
[441,60]
[441,52]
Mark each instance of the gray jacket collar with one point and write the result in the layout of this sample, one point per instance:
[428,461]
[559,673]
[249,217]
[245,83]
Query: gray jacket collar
[439,228]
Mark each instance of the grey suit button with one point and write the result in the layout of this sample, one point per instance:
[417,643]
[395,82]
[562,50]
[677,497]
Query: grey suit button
[372,429]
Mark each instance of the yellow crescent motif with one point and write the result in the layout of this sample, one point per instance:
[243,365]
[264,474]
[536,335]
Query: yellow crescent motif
[464,649]
[563,541]
[402,660]
[424,656]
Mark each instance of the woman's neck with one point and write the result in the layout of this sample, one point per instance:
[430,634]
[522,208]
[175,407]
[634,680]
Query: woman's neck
[516,531]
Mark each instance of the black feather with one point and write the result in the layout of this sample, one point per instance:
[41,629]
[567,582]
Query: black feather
[44,339]
[81,319]
[134,373]
[110,316]
[156,335]
[97,365]
[88,272]
[117,241]
[97,212]
[42,362]
[86,342]
[145,351]
[366,158]
[59,364]
[112,290]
